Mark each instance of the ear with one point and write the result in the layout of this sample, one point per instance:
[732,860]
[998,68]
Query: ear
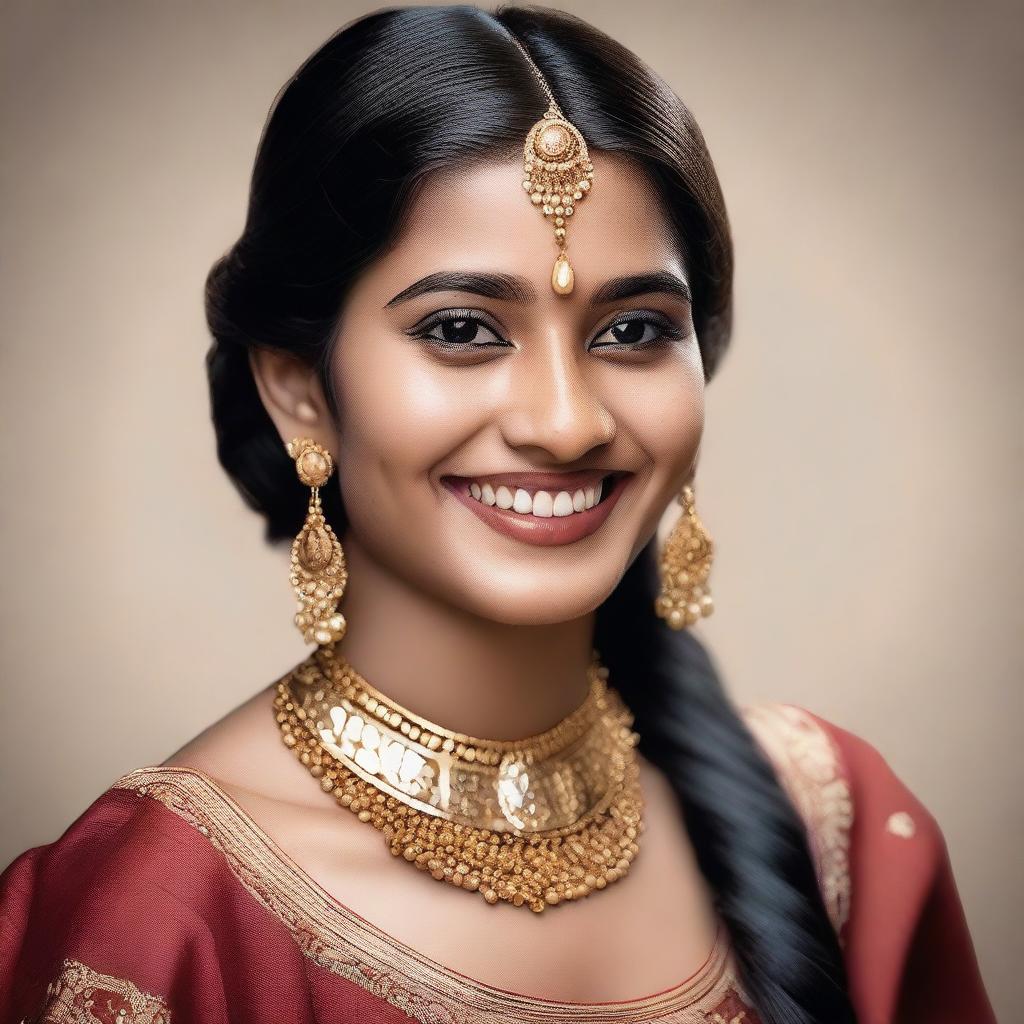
[292,395]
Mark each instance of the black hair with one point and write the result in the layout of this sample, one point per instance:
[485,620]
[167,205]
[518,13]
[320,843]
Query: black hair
[349,141]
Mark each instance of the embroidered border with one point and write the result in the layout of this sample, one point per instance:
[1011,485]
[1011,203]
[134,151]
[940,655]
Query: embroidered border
[810,770]
[80,995]
[354,948]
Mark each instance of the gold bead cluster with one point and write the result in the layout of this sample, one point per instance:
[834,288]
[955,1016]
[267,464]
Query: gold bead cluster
[536,869]
[684,564]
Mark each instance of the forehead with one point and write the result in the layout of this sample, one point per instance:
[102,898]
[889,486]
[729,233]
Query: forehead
[479,217]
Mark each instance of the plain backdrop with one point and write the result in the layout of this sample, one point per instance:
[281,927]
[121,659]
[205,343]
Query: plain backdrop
[861,468]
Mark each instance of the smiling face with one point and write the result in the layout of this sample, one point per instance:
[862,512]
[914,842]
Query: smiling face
[481,414]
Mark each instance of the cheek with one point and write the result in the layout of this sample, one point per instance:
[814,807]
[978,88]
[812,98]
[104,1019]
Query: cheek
[675,435]
[663,418]
[663,413]
[398,415]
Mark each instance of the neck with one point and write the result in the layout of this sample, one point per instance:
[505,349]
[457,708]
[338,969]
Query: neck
[471,675]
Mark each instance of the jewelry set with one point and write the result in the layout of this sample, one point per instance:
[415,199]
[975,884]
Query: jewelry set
[531,822]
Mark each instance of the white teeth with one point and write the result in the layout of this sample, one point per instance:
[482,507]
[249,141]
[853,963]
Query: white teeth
[523,502]
[562,505]
[542,504]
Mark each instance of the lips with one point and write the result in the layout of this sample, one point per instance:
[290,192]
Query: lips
[543,530]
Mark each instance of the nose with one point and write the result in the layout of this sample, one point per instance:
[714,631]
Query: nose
[553,404]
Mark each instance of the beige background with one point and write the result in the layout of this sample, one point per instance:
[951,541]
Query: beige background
[861,471]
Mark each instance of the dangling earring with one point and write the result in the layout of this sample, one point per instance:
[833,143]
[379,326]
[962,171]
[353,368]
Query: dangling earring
[318,571]
[685,563]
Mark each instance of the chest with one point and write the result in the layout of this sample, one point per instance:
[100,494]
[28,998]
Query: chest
[641,934]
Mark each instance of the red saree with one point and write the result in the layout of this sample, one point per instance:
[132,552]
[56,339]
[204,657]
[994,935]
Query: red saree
[165,902]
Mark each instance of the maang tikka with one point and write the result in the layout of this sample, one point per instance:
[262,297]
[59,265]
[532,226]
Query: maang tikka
[557,174]
[684,565]
[318,571]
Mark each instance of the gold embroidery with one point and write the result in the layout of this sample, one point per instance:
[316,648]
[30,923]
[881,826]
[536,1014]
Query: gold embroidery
[80,995]
[901,824]
[810,770]
[732,1010]
[354,948]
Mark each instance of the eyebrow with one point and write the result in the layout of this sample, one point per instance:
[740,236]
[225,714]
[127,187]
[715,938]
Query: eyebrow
[510,288]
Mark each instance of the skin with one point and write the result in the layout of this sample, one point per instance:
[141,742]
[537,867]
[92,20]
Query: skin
[482,633]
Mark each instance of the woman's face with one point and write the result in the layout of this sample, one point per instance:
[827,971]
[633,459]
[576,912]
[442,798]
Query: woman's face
[442,422]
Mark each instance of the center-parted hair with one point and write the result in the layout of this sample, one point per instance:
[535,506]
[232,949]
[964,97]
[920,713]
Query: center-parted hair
[350,139]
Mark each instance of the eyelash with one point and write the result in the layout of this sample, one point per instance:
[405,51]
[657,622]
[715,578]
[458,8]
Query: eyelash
[669,331]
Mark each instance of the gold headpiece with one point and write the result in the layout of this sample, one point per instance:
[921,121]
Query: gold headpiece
[557,174]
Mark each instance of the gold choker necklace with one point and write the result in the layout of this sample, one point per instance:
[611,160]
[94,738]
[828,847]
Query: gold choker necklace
[533,822]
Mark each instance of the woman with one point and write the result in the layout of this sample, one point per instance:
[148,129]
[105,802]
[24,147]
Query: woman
[486,275]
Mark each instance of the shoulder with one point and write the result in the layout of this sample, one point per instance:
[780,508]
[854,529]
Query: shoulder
[881,802]
[120,845]
[868,830]
[823,762]
[120,901]
[243,754]
[884,870]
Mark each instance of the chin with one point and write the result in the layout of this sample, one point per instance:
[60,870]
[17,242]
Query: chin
[542,602]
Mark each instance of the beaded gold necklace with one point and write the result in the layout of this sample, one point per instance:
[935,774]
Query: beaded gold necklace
[533,822]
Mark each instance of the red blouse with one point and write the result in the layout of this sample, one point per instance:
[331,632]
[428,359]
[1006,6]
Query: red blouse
[166,902]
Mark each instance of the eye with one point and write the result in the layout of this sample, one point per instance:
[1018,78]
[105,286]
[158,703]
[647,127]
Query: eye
[458,329]
[641,329]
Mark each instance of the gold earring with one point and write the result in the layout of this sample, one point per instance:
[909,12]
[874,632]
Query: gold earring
[684,564]
[318,571]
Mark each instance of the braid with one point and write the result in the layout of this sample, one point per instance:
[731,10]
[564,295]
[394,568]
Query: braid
[750,843]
